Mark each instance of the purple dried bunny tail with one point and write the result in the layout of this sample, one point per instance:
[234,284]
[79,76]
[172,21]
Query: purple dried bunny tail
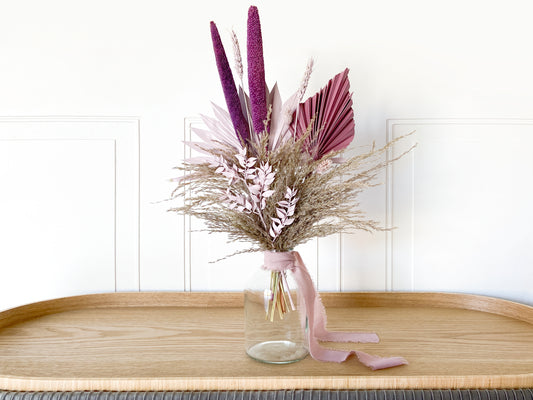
[228,86]
[256,71]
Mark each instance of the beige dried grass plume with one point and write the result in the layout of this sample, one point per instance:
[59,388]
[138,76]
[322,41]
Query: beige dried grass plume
[327,194]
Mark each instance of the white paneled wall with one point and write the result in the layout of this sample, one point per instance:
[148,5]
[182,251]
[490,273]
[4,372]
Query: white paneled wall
[461,201]
[69,206]
[83,184]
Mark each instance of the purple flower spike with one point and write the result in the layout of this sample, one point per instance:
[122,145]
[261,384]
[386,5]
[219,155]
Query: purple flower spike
[228,86]
[256,71]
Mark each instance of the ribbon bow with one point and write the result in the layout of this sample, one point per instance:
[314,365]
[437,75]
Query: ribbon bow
[316,316]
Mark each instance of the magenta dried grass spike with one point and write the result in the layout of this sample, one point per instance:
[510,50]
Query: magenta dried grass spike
[256,71]
[228,86]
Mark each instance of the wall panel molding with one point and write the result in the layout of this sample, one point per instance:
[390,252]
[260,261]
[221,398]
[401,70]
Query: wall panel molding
[121,136]
[460,203]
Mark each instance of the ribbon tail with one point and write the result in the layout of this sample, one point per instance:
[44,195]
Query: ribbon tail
[316,317]
[307,290]
[368,360]
[376,362]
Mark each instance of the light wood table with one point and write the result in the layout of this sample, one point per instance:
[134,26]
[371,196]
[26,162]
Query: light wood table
[194,341]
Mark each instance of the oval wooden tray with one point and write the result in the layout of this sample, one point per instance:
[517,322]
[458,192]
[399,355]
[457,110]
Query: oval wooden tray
[193,341]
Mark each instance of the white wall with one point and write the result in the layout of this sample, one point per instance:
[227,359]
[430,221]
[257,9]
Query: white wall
[95,98]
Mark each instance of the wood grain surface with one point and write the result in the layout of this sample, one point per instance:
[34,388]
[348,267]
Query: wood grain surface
[194,341]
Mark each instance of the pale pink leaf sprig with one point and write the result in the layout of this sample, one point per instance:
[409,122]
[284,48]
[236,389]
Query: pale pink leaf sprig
[256,180]
[285,212]
[222,167]
[260,190]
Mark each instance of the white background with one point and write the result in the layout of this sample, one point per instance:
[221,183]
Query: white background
[96,98]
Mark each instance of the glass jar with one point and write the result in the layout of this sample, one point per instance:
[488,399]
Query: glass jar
[274,331]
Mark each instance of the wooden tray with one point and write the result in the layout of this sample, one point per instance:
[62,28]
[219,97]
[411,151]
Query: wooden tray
[193,341]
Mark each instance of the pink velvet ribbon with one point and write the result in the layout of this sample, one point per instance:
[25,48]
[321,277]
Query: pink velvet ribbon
[316,317]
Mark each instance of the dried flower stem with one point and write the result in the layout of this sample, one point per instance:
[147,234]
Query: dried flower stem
[303,86]
[240,72]
[279,296]
[305,80]
[237,54]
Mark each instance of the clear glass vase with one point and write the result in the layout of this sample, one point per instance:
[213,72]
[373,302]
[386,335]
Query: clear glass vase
[274,330]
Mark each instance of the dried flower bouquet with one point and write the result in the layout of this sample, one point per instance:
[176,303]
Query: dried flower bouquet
[271,172]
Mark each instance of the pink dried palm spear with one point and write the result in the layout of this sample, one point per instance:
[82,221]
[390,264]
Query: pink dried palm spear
[333,127]
[256,71]
[228,86]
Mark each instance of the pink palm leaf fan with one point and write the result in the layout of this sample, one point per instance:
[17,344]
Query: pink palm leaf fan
[333,127]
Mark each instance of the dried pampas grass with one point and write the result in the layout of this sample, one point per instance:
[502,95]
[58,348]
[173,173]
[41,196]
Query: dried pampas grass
[327,192]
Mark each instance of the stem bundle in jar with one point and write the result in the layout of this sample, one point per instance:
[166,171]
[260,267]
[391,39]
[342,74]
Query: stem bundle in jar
[279,296]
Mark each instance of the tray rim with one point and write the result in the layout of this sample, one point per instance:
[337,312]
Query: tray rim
[465,301]
[473,302]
